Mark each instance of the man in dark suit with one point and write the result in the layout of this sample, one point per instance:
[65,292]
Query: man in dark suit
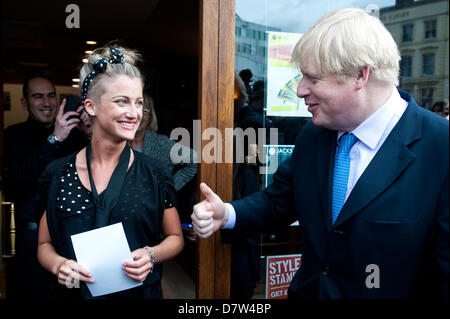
[29,147]
[368,179]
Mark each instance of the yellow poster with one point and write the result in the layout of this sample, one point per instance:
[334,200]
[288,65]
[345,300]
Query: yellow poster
[283,77]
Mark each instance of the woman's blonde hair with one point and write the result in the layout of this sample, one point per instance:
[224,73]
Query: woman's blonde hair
[127,67]
[153,121]
[345,41]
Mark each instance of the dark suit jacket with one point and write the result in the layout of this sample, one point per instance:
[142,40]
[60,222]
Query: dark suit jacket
[27,153]
[396,218]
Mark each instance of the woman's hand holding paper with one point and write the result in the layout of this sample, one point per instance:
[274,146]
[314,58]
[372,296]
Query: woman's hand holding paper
[140,267]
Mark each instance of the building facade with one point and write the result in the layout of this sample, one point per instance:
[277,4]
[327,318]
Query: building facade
[251,47]
[421,31]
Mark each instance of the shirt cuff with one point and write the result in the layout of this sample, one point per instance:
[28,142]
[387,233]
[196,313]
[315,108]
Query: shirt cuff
[231,217]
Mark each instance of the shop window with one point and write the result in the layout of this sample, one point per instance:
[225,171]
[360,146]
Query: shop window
[273,94]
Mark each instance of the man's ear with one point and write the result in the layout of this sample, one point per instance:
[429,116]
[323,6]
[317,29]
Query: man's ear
[24,103]
[89,106]
[362,78]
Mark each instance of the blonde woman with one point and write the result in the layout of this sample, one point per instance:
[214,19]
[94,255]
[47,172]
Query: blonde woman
[107,182]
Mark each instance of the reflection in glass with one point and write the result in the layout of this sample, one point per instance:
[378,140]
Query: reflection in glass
[273,81]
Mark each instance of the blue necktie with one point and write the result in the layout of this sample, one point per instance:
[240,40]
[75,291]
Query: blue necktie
[340,174]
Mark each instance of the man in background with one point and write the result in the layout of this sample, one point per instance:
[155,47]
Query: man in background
[29,147]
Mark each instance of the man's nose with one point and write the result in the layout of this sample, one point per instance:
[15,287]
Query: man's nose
[49,101]
[302,90]
[46,101]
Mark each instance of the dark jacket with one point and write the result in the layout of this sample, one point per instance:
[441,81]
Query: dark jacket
[27,153]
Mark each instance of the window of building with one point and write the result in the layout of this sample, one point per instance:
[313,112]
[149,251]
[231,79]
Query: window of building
[261,68]
[406,66]
[430,29]
[244,48]
[238,31]
[261,51]
[428,64]
[427,97]
[407,35]
[260,35]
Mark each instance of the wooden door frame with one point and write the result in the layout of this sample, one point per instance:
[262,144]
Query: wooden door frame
[2,265]
[216,87]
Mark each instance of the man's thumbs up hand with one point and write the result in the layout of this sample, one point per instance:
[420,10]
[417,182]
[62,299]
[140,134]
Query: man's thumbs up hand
[210,214]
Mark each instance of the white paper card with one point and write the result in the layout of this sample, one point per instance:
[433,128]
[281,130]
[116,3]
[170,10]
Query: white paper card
[102,251]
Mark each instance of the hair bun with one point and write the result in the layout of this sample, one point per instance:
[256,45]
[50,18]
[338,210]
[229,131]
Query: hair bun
[108,61]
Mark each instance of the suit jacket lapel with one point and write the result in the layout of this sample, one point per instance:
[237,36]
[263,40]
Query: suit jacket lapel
[326,148]
[390,161]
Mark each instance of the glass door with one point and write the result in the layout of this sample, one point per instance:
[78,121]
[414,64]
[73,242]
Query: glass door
[266,102]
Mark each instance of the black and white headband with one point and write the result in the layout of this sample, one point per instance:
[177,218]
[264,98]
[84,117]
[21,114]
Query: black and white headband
[99,67]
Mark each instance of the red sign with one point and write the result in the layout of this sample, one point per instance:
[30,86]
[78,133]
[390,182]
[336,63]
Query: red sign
[281,52]
[279,273]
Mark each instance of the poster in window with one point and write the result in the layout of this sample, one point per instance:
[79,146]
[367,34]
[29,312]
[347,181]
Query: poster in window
[279,273]
[275,155]
[283,77]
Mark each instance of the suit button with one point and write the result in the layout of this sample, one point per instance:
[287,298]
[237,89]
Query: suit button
[325,271]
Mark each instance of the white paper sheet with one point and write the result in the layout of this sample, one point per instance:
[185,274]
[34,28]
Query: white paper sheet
[102,251]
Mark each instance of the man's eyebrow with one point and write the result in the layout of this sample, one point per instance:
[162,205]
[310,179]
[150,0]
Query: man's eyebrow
[311,76]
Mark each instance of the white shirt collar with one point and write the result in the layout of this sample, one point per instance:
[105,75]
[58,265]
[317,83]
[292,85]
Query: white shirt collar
[371,130]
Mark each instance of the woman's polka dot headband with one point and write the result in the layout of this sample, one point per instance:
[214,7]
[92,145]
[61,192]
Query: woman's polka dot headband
[100,67]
